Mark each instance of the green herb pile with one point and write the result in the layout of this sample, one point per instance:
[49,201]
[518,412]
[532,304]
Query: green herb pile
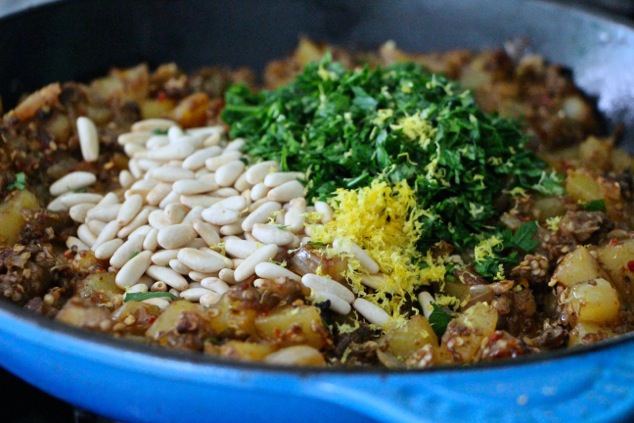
[346,128]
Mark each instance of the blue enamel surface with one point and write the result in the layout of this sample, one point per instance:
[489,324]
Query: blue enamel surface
[130,383]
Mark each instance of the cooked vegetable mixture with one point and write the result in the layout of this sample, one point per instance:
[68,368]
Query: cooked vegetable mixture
[358,209]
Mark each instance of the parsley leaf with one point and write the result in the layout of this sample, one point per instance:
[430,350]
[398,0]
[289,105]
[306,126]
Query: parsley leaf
[595,205]
[439,319]
[19,182]
[159,131]
[140,296]
[524,237]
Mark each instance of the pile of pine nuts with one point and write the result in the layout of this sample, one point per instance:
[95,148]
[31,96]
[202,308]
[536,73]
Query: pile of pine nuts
[194,218]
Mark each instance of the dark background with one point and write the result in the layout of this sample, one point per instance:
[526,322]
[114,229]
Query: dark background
[22,403]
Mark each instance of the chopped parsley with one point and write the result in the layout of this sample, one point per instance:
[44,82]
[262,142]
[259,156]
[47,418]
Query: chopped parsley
[595,205]
[19,182]
[159,131]
[348,128]
[439,319]
[140,296]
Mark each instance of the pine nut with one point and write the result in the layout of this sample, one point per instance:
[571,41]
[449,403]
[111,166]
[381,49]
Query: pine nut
[227,174]
[171,151]
[270,270]
[227,275]
[167,275]
[161,303]
[204,261]
[376,281]
[199,276]
[214,163]
[72,241]
[103,213]
[235,145]
[295,219]
[214,284]
[196,213]
[132,271]
[207,232]
[241,183]
[286,192]
[191,186]
[141,230]
[261,215]
[96,226]
[154,124]
[372,312]
[232,229]
[197,159]
[259,191]
[209,299]
[207,130]
[108,233]
[176,236]
[150,243]
[204,201]
[129,209]
[79,211]
[325,210]
[157,219]
[226,192]
[236,202]
[72,182]
[108,248]
[85,235]
[336,303]
[247,267]
[176,212]
[134,138]
[125,178]
[271,234]
[88,139]
[323,284]
[179,267]
[72,199]
[276,179]
[194,294]
[240,248]
[139,287]
[220,215]
[170,174]
[132,246]
[158,286]
[157,193]
[256,173]
[163,257]
[426,303]
[140,220]
[170,198]
[364,259]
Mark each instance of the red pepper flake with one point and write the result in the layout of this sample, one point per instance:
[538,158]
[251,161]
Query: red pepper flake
[161,96]
[614,242]
[630,265]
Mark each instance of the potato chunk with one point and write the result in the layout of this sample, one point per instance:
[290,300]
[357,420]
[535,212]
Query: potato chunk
[593,301]
[405,341]
[578,266]
[581,186]
[169,319]
[11,215]
[617,258]
[293,326]
[465,333]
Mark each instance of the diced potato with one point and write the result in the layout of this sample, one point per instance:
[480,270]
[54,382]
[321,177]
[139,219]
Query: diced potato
[293,326]
[99,286]
[124,84]
[76,313]
[465,333]
[593,301]
[58,127]
[417,333]
[242,350]
[596,154]
[584,333]
[617,258]
[135,317]
[191,111]
[581,186]
[11,215]
[47,96]
[547,207]
[578,266]
[168,320]
[152,108]
[227,317]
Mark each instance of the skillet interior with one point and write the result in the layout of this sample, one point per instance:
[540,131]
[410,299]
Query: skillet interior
[83,39]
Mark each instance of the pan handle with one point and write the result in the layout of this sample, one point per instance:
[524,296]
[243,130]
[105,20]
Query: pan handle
[593,386]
